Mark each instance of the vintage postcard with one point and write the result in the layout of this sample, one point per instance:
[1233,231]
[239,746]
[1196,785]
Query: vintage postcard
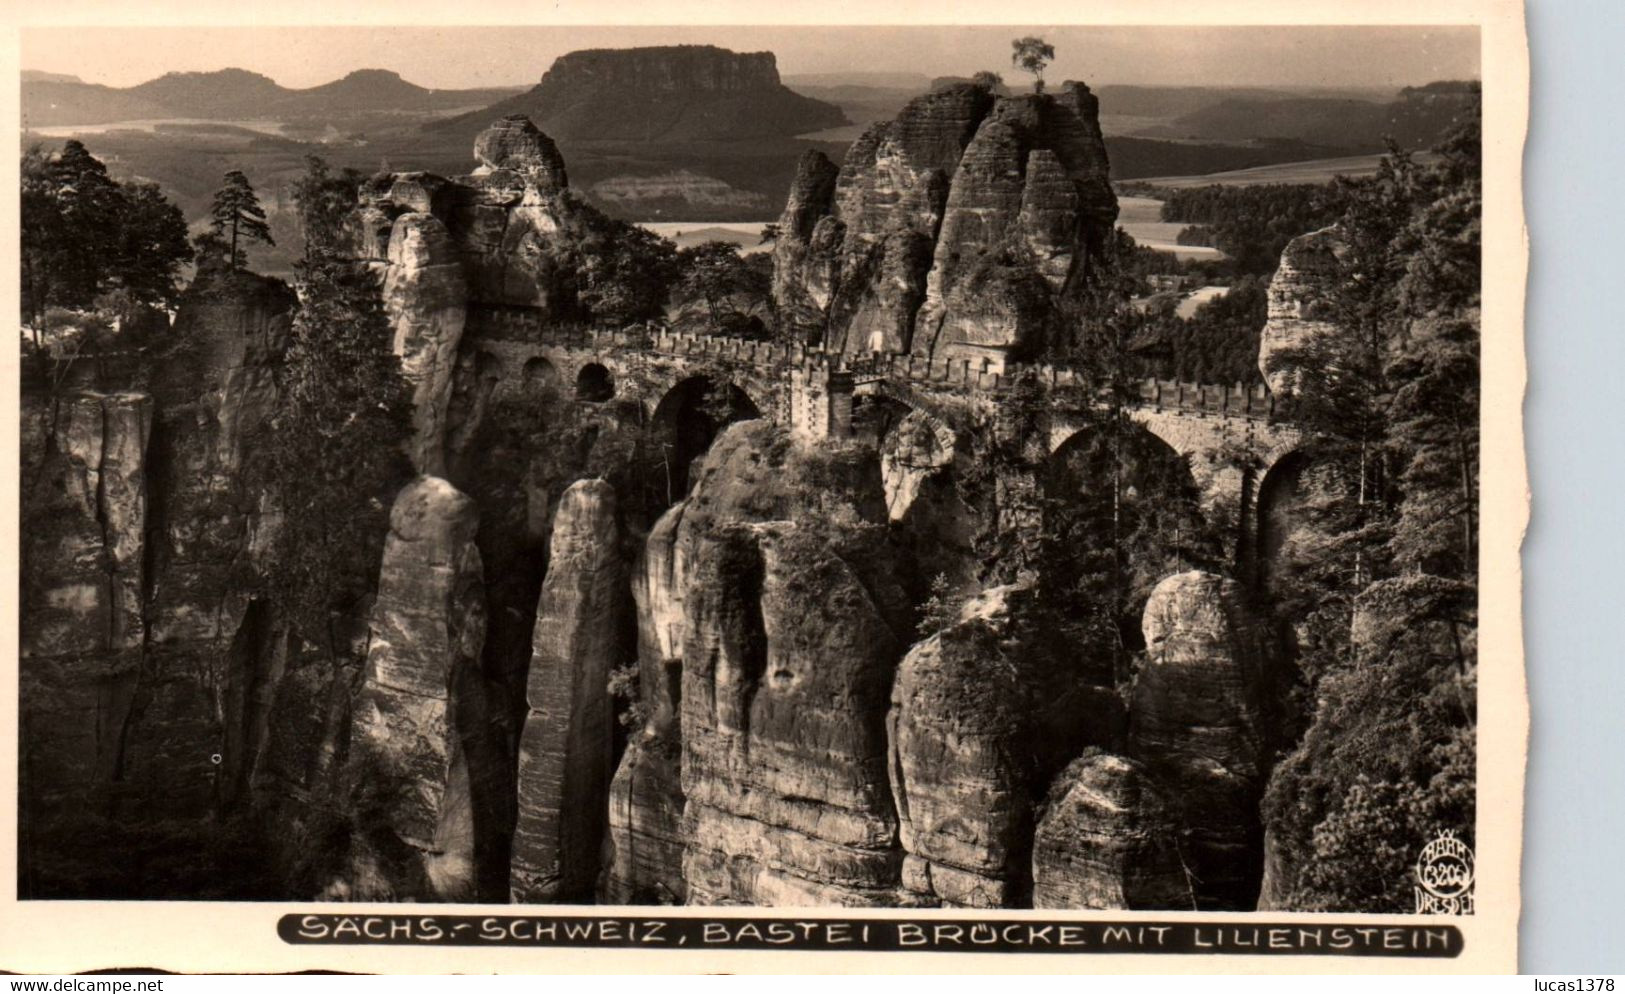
[809,488]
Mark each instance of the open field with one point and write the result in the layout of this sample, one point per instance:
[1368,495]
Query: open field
[1141,217]
[686,234]
[1196,298]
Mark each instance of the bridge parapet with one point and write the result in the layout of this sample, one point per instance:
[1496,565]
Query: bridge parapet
[978,374]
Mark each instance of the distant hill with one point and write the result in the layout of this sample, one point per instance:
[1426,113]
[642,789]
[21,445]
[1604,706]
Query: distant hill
[659,94]
[228,94]
[1177,101]
[914,82]
[224,93]
[39,76]
[1417,119]
[48,102]
[1137,158]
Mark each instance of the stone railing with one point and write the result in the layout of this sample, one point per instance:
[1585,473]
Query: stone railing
[973,374]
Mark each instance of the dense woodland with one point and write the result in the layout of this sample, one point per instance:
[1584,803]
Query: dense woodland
[1382,590]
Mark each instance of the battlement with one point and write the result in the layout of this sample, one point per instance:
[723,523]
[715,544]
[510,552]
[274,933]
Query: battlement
[981,375]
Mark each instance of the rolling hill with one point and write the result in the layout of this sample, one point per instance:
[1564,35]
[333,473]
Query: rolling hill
[228,94]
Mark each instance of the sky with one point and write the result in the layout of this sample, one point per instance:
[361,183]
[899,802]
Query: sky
[460,57]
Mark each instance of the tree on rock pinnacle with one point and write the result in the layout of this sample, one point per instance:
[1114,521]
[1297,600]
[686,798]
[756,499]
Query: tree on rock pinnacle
[237,210]
[1032,54]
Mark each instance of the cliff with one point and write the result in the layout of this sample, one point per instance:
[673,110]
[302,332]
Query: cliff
[959,229]
[671,93]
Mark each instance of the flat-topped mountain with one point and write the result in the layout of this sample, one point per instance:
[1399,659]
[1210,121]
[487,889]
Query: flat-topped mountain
[667,93]
[225,94]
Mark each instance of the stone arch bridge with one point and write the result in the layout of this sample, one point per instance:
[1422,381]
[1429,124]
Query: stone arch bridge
[1228,434]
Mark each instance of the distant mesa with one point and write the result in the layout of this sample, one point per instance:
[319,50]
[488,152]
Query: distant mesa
[671,93]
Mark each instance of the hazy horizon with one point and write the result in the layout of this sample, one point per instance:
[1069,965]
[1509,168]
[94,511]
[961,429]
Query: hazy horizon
[1299,57]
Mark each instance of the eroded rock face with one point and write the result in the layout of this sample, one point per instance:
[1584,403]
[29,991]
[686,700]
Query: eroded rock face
[1198,722]
[951,231]
[583,624]
[644,861]
[982,714]
[408,768]
[1030,203]
[919,448]
[783,618]
[1300,302]
[785,681]
[963,799]
[516,145]
[87,497]
[81,623]
[514,226]
[789,643]
[141,532]
[1108,840]
[806,268]
[426,298]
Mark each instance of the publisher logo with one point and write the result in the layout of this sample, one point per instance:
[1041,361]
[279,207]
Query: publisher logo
[1444,877]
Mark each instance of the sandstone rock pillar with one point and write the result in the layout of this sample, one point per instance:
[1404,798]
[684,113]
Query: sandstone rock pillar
[644,861]
[1108,841]
[1197,723]
[408,773]
[81,624]
[583,627]
[426,297]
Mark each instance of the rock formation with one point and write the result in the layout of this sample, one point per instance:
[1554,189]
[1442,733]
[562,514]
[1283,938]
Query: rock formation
[513,225]
[953,231]
[514,144]
[789,642]
[982,714]
[410,778]
[1300,304]
[425,296]
[665,93]
[1108,840]
[1198,722]
[565,758]
[82,624]
[644,862]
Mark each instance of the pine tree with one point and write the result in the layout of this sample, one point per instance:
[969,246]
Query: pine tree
[1381,580]
[84,235]
[152,245]
[336,445]
[237,217]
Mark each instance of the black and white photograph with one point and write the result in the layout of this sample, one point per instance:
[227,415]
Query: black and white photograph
[925,470]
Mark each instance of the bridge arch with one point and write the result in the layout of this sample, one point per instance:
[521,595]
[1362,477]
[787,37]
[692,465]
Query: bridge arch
[539,376]
[1125,499]
[594,383]
[687,419]
[1279,504]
